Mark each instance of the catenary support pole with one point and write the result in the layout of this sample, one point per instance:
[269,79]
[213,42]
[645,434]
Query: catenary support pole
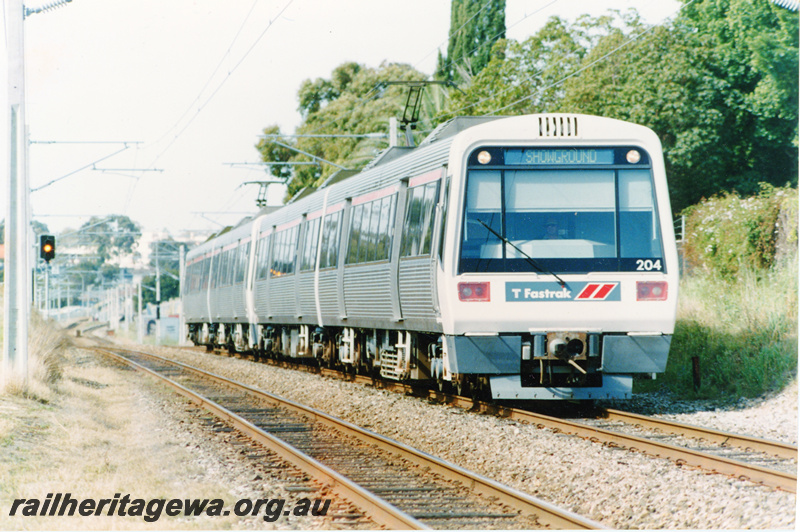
[181,280]
[16,307]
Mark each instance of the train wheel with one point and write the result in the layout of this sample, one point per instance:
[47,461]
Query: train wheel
[462,385]
[480,389]
[443,385]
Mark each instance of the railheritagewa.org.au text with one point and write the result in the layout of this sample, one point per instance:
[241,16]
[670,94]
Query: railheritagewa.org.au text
[150,510]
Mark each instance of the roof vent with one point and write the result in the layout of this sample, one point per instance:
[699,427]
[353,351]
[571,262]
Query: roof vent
[558,126]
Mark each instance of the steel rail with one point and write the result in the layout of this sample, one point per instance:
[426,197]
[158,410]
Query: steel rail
[379,511]
[703,460]
[547,513]
[771,447]
[681,455]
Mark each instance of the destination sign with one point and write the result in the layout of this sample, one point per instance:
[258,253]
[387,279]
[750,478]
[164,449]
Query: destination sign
[559,156]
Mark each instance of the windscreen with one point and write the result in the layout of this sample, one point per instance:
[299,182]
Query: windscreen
[560,210]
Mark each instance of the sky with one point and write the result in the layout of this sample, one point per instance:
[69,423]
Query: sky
[139,107]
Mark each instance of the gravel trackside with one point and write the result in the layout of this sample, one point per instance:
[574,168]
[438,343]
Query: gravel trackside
[619,488]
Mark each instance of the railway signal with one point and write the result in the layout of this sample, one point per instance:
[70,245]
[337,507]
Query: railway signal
[47,247]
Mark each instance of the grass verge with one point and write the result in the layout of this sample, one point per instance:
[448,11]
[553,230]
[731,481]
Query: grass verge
[743,333]
[103,434]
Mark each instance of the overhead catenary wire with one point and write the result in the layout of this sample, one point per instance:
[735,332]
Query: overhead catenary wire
[90,165]
[205,103]
[213,73]
[369,96]
[222,83]
[576,72]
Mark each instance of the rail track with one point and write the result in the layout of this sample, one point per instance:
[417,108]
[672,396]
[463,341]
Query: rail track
[709,454]
[707,457]
[728,439]
[395,485]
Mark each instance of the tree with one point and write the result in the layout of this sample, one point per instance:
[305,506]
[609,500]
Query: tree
[39,228]
[113,236]
[475,25]
[719,86]
[356,100]
[170,288]
[523,77]
[755,63]
[654,76]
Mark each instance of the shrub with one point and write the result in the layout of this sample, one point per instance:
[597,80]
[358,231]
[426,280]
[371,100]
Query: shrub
[726,233]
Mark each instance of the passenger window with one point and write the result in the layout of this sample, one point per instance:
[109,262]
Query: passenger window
[371,231]
[262,266]
[223,270]
[205,275]
[484,204]
[383,247]
[244,253]
[330,241]
[285,252]
[310,242]
[443,224]
[232,262]
[355,234]
[213,275]
[427,216]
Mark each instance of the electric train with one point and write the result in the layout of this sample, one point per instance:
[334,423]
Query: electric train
[518,258]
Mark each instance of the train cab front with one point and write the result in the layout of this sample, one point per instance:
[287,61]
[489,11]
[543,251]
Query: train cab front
[562,287]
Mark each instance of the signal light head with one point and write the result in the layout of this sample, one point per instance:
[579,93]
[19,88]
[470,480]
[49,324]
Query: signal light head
[47,247]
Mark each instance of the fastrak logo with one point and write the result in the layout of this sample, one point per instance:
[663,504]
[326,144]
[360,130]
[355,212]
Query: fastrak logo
[551,291]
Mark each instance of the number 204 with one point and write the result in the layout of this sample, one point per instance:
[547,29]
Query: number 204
[647,265]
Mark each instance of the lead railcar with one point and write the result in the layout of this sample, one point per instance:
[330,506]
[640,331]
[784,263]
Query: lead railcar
[527,257]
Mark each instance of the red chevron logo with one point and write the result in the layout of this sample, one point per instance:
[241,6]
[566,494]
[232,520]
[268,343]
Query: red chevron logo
[596,291]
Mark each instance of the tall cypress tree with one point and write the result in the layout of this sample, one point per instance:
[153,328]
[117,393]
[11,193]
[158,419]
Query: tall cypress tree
[475,25]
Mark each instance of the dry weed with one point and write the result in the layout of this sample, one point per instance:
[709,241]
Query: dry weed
[46,346]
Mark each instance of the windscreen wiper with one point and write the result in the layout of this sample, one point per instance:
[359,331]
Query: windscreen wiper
[527,257]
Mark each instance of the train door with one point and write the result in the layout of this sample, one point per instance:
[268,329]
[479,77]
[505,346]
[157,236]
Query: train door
[416,262]
[439,241]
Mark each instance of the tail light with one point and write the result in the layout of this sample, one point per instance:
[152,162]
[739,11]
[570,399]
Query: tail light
[473,291]
[651,290]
